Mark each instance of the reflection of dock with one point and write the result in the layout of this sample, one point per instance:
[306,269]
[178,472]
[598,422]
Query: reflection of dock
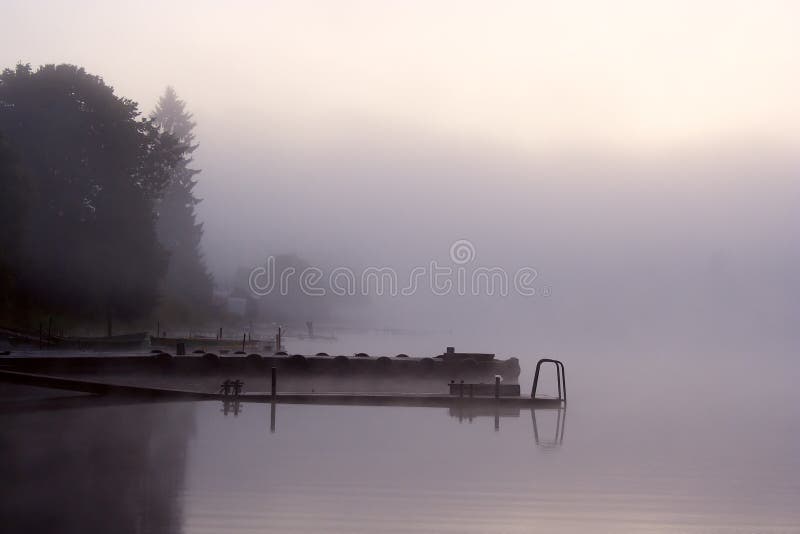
[542,436]
[479,402]
[464,412]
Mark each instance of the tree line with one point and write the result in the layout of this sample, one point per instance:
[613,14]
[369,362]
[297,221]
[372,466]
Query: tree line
[97,202]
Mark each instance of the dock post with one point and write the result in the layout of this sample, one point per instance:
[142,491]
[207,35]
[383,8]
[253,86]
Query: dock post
[274,384]
[180,350]
[470,391]
[461,389]
[244,341]
[496,386]
[158,328]
[272,418]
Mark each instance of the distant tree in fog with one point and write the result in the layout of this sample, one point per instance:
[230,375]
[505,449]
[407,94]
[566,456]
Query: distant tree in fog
[187,286]
[83,230]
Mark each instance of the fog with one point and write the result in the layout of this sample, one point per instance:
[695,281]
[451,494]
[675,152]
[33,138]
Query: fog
[671,240]
[643,161]
[688,246]
[611,184]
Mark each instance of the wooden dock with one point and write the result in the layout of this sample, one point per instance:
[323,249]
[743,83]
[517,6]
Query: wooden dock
[339,399]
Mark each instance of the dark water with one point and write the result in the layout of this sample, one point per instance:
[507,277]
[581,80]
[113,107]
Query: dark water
[649,443]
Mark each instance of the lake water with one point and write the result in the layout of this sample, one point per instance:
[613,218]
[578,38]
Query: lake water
[650,442]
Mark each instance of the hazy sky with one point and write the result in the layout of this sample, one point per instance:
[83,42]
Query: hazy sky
[639,154]
[628,74]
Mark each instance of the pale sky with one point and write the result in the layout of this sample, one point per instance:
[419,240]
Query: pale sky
[632,75]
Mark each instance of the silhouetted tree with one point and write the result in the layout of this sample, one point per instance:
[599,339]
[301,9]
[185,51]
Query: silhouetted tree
[93,169]
[13,203]
[188,286]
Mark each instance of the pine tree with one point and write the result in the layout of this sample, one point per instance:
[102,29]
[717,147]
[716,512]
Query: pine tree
[188,286]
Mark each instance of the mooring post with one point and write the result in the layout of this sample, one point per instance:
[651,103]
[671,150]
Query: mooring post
[272,418]
[496,386]
[220,333]
[244,341]
[461,389]
[274,384]
[470,391]
[158,328]
[180,350]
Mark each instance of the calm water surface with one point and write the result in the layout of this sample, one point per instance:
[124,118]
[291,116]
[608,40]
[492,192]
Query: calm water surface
[714,451]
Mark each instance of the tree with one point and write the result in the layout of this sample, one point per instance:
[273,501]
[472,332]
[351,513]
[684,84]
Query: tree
[188,286]
[13,199]
[93,170]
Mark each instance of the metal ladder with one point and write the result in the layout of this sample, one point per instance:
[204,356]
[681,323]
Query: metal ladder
[560,377]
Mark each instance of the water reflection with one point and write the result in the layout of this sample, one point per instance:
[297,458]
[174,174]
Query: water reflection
[231,407]
[470,412]
[147,467]
[462,412]
[100,469]
[558,435]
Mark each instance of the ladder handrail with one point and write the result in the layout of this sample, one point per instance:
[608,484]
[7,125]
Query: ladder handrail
[560,378]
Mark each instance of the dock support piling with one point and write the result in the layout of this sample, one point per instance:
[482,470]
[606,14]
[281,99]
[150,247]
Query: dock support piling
[497,386]
[274,384]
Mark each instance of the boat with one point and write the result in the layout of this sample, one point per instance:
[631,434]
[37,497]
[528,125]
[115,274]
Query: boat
[119,342]
[211,343]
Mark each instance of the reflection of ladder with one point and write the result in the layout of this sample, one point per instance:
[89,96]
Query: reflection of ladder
[560,378]
[558,439]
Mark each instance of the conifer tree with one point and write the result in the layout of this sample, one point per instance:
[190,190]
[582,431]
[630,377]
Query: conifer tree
[187,286]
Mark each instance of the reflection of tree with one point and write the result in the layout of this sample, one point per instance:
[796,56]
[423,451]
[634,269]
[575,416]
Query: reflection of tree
[108,469]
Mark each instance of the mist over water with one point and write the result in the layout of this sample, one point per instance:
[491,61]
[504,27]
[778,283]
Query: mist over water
[684,248]
[688,464]
[640,162]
